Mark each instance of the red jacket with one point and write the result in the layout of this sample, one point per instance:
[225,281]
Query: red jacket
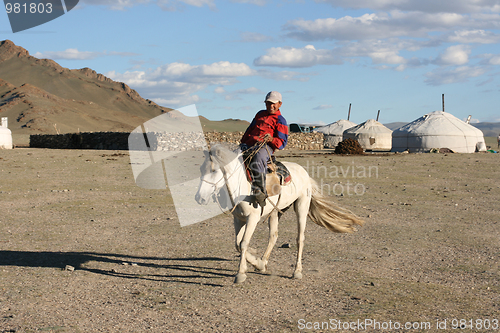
[265,123]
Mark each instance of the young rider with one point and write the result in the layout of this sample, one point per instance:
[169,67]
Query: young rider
[269,132]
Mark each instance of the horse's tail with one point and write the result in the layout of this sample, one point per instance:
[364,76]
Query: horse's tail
[327,214]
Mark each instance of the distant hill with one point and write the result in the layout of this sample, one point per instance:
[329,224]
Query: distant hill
[489,129]
[395,125]
[227,125]
[39,96]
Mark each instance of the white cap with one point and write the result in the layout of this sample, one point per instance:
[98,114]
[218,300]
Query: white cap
[273,97]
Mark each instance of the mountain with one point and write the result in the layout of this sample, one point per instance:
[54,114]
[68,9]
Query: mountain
[489,129]
[227,125]
[395,125]
[41,97]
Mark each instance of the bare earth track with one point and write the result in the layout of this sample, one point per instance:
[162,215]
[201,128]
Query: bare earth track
[429,250]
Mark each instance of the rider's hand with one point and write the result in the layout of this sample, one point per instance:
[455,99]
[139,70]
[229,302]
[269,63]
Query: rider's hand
[267,138]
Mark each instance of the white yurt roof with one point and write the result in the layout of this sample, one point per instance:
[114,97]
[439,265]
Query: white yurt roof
[5,138]
[332,133]
[336,128]
[438,129]
[371,135]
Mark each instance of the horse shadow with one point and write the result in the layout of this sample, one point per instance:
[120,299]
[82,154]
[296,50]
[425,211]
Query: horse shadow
[180,270]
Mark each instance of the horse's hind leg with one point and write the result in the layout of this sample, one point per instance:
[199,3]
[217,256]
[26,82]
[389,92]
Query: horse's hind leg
[273,236]
[301,208]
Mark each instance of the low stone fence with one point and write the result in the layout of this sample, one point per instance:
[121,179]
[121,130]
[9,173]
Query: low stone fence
[97,140]
[159,141]
[304,141]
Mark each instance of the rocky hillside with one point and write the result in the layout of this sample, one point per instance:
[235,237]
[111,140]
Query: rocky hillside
[41,97]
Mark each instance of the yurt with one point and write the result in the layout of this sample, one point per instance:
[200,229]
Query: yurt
[438,129]
[333,132]
[5,138]
[371,135]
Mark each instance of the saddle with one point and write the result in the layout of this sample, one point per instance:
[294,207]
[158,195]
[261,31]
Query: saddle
[277,175]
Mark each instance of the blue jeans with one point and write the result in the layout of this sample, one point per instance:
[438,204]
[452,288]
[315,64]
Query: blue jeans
[258,163]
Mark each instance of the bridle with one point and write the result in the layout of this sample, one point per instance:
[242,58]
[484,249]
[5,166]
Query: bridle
[226,178]
[214,184]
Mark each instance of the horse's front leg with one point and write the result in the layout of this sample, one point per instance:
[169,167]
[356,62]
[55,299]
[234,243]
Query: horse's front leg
[251,223]
[273,236]
[239,230]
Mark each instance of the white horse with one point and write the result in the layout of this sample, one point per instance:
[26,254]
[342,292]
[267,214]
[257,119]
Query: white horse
[225,167]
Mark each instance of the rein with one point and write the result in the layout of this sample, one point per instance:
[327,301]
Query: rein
[226,178]
[226,183]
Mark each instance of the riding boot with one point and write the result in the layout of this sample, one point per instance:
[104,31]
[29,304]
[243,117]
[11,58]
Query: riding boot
[259,187]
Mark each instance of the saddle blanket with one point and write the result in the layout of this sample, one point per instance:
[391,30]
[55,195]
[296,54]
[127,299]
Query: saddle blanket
[282,172]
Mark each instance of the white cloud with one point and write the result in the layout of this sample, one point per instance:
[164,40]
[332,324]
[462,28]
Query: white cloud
[68,54]
[251,90]
[285,75]
[473,36]
[177,83]
[429,6]
[114,4]
[447,76]
[175,5]
[74,54]
[454,55]
[323,107]
[252,2]
[490,59]
[495,60]
[222,72]
[380,51]
[183,99]
[233,95]
[167,5]
[388,36]
[292,57]
[386,25]
[346,28]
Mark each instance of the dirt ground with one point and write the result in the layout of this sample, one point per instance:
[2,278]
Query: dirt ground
[426,259]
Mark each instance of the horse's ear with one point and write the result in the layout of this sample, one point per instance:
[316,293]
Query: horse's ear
[219,153]
[206,153]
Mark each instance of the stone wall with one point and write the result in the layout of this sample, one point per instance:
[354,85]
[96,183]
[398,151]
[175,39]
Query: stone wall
[159,141]
[97,140]
[303,141]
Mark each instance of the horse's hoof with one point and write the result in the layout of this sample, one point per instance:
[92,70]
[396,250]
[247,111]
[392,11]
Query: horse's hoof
[261,266]
[240,278]
[297,275]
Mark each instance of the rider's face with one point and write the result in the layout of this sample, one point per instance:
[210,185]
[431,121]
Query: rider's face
[272,108]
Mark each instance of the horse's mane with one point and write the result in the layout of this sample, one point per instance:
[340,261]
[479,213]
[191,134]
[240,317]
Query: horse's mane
[223,155]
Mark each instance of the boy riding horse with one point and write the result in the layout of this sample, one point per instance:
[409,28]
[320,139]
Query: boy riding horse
[267,132]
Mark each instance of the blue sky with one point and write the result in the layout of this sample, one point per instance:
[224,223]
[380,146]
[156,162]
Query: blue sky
[397,56]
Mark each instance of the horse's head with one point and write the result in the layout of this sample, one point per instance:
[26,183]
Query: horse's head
[211,180]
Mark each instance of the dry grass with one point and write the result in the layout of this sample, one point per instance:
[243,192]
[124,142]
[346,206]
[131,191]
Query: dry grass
[428,250]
